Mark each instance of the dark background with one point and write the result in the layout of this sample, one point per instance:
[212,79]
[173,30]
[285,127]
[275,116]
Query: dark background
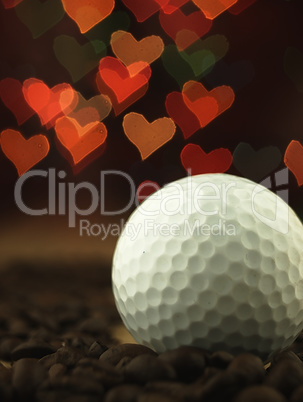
[268,110]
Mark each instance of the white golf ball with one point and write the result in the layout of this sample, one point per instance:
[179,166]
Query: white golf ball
[213,261]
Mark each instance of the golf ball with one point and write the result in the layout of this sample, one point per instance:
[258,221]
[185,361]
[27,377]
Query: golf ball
[213,261]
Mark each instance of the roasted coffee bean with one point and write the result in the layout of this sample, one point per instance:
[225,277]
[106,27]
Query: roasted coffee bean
[285,376]
[260,393]
[78,385]
[64,396]
[226,383]
[250,366]
[299,338]
[48,361]
[297,395]
[37,317]
[123,393]
[57,370]
[96,349]
[155,397]
[220,359]
[27,375]
[94,326]
[208,373]
[173,389]
[114,354]
[70,313]
[105,373]
[287,354]
[189,362]
[146,368]
[68,356]
[77,339]
[7,345]
[3,371]
[19,327]
[123,362]
[33,348]
[6,392]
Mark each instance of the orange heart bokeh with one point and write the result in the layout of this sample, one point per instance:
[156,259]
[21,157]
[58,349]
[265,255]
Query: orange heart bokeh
[80,142]
[213,8]
[86,111]
[87,14]
[148,137]
[204,108]
[49,104]
[130,51]
[24,153]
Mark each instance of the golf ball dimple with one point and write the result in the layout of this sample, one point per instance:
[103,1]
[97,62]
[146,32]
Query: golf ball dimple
[212,261]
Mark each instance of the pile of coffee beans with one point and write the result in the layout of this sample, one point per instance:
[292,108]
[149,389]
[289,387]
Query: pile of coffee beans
[56,344]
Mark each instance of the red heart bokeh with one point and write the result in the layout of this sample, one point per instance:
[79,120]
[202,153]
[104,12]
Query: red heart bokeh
[181,114]
[24,153]
[193,93]
[196,161]
[293,159]
[184,29]
[124,85]
[13,98]
[145,189]
[49,104]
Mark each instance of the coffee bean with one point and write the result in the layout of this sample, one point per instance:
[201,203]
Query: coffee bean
[299,338]
[123,393]
[155,397]
[69,313]
[96,349]
[7,345]
[208,373]
[5,374]
[297,395]
[48,361]
[33,348]
[146,368]
[123,362]
[78,384]
[173,389]
[27,375]
[227,384]
[68,356]
[6,392]
[77,339]
[57,370]
[105,373]
[260,393]
[285,376]
[250,366]
[114,354]
[19,327]
[93,326]
[189,362]
[220,359]
[287,354]
[64,396]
